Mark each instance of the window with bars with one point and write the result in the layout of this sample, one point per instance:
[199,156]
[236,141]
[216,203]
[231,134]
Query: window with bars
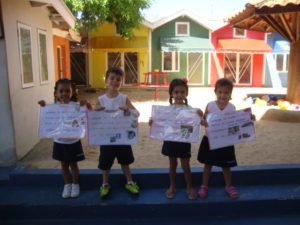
[238,67]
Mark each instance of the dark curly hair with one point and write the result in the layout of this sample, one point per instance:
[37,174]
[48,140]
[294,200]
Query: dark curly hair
[66,81]
[178,82]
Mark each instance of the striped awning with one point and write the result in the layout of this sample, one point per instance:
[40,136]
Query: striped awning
[185,44]
[243,45]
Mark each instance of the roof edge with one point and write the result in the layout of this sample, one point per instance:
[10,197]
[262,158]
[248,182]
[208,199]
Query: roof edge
[63,10]
[182,12]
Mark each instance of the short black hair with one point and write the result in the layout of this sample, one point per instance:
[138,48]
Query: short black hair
[116,70]
[224,82]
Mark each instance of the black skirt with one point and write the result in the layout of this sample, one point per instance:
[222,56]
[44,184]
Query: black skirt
[68,152]
[176,149]
[222,157]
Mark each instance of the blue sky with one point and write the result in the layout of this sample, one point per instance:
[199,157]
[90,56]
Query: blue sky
[215,10]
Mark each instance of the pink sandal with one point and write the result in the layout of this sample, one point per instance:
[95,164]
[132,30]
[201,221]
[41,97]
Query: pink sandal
[203,191]
[232,192]
[170,193]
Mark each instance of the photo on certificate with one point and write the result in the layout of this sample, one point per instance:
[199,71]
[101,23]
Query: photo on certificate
[62,121]
[112,128]
[174,123]
[229,129]
[186,131]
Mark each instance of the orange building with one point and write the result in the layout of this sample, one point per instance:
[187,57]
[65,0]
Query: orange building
[61,50]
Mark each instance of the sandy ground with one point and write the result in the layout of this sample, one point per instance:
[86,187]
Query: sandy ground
[277,132]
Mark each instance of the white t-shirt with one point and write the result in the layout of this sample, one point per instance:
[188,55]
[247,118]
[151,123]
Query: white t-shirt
[113,103]
[212,107]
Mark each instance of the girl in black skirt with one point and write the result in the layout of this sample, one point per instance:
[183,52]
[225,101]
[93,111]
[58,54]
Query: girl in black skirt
[66,150]
[178,92]
[222,157]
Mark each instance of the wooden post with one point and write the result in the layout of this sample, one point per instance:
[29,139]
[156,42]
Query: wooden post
[293,89]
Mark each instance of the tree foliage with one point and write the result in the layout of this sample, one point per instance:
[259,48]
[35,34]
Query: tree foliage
[126,14]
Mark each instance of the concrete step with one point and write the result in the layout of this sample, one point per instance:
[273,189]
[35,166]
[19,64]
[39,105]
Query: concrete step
[259,220]
[266,193]
[158,178]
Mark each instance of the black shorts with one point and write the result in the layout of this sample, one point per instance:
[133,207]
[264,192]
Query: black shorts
[176,149]
[222,157]
[108,153]
[68,152]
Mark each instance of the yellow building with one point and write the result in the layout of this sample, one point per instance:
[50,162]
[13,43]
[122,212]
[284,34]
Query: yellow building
[107,48]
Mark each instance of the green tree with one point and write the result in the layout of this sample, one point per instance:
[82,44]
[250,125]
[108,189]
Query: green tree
[126,14]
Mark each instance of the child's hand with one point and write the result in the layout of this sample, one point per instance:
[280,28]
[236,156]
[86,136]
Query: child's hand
[203,122]
[126,110]
[89,106]
[99,108]
[135,112]
[86,103]
[200,113]
[150,122]
[42,103]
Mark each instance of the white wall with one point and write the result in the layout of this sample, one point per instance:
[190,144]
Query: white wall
[24,100]
[7,146]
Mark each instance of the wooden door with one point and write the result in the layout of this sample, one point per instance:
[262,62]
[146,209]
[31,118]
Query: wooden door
[195,68]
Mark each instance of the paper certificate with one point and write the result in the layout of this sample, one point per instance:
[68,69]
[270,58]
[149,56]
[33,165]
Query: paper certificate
[62,121]
[112,128]
[173,123]
[225,130]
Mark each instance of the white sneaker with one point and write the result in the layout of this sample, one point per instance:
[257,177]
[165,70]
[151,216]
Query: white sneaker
[75,190]
[67,191]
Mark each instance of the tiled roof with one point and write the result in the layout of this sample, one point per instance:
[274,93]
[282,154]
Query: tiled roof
[259,4]
[269,16]
[272,3]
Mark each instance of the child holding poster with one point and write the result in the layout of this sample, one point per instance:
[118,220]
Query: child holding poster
[113,100]
[66,150]
[178,91]
[222,157]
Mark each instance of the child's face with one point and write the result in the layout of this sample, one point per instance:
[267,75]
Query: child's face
[63,93]
[179,94]
[223,94]
[114,81]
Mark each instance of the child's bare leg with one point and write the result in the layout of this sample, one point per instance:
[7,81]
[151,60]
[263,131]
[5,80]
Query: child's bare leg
[66,173]
[75,172]
[206,174]
[227,176]
[230,190]
[105,176]
[185,164]
[127,173]
[172,176]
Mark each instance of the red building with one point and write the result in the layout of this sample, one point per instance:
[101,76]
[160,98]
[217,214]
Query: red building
[239,56]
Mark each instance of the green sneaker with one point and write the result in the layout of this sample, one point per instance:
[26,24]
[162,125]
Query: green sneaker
[132,188]
[104,191]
